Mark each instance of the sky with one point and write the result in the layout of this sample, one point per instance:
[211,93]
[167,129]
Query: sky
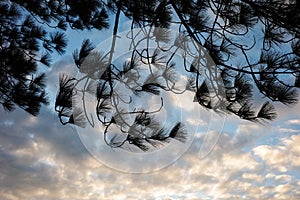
[226,157]
[42,159]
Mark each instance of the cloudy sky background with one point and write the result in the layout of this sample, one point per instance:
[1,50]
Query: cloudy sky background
[42,159]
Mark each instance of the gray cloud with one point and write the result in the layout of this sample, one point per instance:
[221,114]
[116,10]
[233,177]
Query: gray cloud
[41,159]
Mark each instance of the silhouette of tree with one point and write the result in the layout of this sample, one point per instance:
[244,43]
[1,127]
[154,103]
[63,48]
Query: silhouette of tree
[252,45]
[29,32]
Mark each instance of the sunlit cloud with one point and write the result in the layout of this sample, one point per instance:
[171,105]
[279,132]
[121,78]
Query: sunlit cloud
[283,156]
[294,122]
[54,165]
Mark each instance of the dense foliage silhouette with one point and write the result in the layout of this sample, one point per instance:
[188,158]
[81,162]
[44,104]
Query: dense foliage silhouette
[30,31]
[253,44]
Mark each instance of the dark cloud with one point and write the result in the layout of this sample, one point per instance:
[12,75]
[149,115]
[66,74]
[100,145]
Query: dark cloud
[26,145]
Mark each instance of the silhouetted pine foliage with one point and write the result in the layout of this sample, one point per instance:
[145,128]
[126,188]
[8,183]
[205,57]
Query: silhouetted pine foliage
[29,32]
[253,45]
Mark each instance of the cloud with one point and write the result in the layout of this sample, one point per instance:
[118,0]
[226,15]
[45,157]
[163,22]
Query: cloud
[288,130]
[283,156]
[47,161]
[293,122]
[41,159]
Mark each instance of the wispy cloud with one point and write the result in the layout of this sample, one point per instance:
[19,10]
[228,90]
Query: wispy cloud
[293,122]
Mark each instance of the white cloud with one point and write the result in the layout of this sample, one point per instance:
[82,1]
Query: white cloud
[288,130]
[293,122]
[253,177]
[282,156]
[196,122]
